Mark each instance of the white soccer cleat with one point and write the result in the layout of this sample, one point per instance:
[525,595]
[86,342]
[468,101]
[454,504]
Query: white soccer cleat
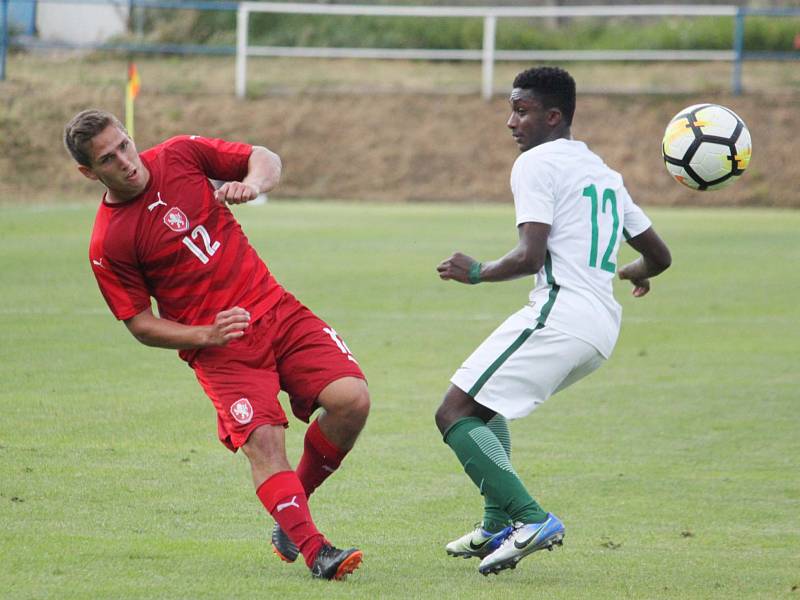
[477,542]
[524,540]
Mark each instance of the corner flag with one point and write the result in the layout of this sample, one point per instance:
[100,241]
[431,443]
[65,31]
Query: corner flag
[131,91]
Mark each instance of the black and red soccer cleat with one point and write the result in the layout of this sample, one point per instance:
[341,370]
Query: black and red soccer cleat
[283,546]
[332,563]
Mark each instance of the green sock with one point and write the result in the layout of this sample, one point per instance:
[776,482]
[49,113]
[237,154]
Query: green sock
[498,425]
[487,464]
[494,517]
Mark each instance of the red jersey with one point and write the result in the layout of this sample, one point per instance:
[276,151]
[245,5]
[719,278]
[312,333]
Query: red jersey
[178,244]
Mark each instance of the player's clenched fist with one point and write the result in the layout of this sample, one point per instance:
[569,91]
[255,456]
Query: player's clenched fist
[456,267]
[236,192]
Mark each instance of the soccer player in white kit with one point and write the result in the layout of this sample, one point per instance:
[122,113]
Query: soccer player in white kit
[572,213]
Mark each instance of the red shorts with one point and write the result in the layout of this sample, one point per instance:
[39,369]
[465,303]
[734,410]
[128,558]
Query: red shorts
[289,348]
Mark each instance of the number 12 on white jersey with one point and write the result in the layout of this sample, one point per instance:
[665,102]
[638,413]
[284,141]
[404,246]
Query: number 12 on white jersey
[609,197]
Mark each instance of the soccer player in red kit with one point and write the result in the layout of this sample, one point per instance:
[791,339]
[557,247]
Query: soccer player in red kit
[162,231]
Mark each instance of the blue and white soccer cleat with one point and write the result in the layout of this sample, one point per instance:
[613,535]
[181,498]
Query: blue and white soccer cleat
[478,542]
[524,540]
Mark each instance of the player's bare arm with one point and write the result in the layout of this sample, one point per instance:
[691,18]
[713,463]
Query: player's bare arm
[263,174]
[525,259]
[655,259]
[151,330]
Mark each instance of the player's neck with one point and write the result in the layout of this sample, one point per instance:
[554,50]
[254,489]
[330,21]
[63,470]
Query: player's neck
[117,197]
[560,134]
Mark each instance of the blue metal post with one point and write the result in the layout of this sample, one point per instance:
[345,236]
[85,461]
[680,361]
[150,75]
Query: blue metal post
[3,37]
[738,49]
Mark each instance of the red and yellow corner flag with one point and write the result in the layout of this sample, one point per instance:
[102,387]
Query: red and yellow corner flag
[131,91]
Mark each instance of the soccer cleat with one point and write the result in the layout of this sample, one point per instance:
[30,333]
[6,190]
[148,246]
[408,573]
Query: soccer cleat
[478,542]
[332,563]
[524,540]
[283,546]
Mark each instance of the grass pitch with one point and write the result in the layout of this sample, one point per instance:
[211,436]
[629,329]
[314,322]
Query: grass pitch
[674,468]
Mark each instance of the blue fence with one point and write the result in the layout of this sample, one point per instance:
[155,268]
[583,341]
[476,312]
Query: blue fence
[22,16]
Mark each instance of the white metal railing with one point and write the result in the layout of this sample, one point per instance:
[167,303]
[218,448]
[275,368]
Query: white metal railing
[488,54]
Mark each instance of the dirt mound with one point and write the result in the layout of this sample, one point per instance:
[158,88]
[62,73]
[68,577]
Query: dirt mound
[391,147]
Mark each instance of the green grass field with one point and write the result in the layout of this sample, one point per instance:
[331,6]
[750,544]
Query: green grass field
[674,468]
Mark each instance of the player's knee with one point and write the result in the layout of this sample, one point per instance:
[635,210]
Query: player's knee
[347,400]
[442,418]
[359,404]
[448,409]
[446,414]
[265,447]
[457,405]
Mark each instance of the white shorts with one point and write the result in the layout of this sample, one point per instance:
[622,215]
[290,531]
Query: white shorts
[521,364]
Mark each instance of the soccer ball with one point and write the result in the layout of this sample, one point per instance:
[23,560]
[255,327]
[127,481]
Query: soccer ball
[706,147]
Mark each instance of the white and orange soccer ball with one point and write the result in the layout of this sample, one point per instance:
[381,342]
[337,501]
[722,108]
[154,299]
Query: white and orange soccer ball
[706,147]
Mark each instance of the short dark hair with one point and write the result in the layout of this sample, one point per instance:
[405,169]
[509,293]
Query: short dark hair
[553,86]
[82,128]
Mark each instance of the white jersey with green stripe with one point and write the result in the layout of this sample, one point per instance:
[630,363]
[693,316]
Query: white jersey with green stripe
[566,185]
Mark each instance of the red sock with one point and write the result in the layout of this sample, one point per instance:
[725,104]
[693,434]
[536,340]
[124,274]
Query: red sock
[282,495]
[320,459]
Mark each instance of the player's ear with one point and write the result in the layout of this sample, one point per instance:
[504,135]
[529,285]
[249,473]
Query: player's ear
[554,116]
[87,172]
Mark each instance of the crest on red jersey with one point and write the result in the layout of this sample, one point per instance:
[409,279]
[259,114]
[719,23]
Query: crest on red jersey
[242,411]
[176,220]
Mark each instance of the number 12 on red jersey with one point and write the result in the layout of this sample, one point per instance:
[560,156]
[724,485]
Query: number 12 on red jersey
[210,247]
